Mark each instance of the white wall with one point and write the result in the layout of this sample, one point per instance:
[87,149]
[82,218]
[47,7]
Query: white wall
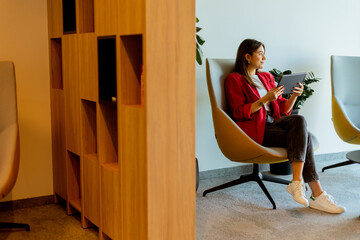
[298,35]
[24,40]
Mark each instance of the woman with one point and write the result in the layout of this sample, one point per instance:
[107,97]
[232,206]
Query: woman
[261,112]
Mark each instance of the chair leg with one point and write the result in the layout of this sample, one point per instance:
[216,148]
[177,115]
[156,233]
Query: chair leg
[14,225]
[254,176]
[338,165]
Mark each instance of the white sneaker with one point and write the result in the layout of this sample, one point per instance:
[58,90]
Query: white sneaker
[326,203]
[297,190]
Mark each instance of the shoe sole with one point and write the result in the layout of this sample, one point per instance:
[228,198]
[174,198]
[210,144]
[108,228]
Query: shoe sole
[324,210]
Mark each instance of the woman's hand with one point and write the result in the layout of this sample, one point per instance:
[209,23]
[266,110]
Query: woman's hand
[297,91]
[274,93]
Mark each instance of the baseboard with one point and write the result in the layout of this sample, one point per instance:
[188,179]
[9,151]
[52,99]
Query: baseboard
[320,160]
[25,203]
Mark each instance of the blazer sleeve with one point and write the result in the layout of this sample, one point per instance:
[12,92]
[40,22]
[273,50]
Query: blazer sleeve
[235,95]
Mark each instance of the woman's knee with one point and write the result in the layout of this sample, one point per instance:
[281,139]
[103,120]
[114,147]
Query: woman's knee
[299,120]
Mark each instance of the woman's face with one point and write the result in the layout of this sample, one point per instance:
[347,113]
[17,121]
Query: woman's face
[256,59]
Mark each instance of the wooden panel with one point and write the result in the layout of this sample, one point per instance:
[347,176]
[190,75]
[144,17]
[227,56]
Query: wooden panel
[106,17]
[133,173]
[72,92]
[131,60]
[55,18]
[110,199]
[108,133]
[170,147]
[88,69]
[129,10]
[58,142]
[85,11]
[74,181]
[91,189]
[56,78]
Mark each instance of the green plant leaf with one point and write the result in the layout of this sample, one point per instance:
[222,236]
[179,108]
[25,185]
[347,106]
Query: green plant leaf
[200,40]
[198,56]
[197,20]
[198,29]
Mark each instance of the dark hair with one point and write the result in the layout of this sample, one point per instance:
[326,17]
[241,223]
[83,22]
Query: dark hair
[247,46]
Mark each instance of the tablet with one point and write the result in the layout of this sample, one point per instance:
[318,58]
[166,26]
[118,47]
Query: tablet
[291,80]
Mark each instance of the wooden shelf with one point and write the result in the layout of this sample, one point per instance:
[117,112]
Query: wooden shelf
[74,182]
[114,167]
[56,63]
[86,16]
[131,62]
[107,68]
[108,133]
[89,127]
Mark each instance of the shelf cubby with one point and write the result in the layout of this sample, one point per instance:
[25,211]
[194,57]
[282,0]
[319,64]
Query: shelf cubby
[56,63]
[74,184]
[107,69]
[108,134]
[131,62]
[89,127]
[86,16]
[69,16]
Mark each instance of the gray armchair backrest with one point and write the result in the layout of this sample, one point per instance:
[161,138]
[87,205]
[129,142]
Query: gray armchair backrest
[345,77]
[8,112]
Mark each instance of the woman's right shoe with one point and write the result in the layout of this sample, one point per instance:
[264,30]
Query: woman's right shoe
[326,203]
[297,190]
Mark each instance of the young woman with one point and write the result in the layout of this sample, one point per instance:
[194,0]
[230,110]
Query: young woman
[259,109]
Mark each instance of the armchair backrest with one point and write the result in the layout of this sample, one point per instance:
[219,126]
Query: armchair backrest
[9,134]
[232,141]
[345,82]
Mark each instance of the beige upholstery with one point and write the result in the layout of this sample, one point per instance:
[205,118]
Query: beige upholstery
[232,141]
[9,135]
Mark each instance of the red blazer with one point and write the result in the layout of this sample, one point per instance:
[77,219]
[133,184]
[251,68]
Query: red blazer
[240,95]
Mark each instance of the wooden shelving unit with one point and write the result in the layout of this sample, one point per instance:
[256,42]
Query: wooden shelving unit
[122,76]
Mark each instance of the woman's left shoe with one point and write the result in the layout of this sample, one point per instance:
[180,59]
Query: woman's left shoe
[326,203]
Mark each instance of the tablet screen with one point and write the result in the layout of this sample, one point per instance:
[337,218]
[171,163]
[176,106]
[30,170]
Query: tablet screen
[291,80]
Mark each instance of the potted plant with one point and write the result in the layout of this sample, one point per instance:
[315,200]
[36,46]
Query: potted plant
[284,168]
[199,42]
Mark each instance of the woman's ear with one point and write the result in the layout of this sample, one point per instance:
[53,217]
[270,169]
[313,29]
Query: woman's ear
[247,57]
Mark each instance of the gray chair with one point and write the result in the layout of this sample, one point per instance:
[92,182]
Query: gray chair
[345,83]
[9,136]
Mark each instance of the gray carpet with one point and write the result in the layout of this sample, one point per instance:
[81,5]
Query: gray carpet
[244,212]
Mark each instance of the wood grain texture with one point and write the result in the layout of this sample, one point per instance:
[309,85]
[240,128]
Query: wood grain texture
[88,67]
[170,115]
[131,17]
[73,182]
[110,199]
[56,77]
[130,69]
[85,16]
[108,133]
[58,142]
[71,92]
[55,23]
[91,188]
[133,173]
[106,17]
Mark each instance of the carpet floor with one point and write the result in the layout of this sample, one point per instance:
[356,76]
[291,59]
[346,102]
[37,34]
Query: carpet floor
[244,212]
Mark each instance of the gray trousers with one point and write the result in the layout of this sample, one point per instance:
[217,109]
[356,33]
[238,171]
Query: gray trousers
[291,132]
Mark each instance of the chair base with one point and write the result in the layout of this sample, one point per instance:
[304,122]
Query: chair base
[256,176]
[14,225]
[353,157]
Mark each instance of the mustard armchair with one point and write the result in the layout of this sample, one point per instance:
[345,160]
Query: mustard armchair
[9,136]
[345,84]
[232,141]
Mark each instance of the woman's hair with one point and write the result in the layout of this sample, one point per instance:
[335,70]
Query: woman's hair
[247,46]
